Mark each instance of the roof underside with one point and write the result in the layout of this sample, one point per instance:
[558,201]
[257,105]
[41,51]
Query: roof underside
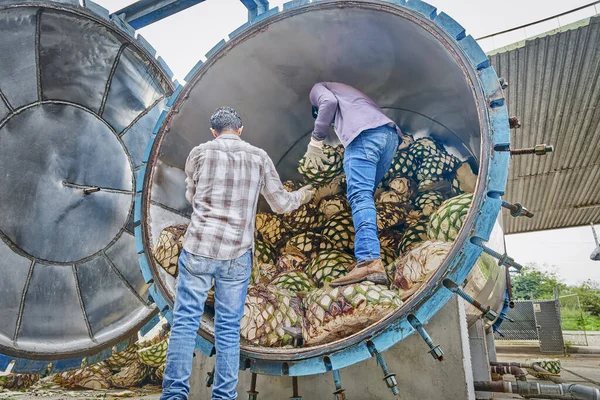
[554,90]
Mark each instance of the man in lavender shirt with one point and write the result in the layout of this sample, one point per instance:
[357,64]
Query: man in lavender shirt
[371,140]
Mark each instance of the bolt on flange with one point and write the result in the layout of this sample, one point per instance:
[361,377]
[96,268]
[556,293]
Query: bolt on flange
[517,210]
[434,349]
[487,312]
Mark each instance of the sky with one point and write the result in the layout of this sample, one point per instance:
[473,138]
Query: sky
[184,38]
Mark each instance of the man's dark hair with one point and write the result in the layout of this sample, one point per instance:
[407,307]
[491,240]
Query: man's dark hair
[225,118]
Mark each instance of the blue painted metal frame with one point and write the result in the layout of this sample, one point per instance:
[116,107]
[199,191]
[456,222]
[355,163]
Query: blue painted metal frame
[27,366]
[146,12]
[486,206]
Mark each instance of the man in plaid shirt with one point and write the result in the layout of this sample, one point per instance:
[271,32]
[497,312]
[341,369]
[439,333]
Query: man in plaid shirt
[224,179]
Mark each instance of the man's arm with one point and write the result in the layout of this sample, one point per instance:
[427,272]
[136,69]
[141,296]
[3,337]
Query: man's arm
[192,166]
[326,102]
[280,200]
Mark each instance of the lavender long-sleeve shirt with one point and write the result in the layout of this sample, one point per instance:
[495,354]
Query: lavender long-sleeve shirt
[350,110]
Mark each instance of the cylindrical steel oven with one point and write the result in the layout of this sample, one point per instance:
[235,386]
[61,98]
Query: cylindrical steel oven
[79,96]
[417,63]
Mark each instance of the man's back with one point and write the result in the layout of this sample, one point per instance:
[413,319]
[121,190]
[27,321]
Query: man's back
[351,110]
[225,178]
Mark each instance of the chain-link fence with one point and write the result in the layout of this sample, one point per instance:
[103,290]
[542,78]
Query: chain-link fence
[524,325]
[534,320]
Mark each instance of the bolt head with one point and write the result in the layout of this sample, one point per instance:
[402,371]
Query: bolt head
[339,395]
[391,380]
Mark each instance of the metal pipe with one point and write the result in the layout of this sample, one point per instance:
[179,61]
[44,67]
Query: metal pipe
[506,364]
[513,370]
[541,390]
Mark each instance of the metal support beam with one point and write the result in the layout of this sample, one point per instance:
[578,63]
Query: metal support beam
[255,7]
[145,12]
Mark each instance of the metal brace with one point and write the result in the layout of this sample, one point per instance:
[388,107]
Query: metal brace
[389,378]
[434,349]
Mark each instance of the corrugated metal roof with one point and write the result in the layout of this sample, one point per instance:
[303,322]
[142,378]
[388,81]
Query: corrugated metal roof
[554,89]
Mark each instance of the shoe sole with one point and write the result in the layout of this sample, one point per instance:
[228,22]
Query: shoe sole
[379,279]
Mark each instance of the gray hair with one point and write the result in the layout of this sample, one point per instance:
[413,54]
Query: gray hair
[225,118]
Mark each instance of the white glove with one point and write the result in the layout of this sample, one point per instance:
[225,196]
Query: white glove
[314,155]
[306,194]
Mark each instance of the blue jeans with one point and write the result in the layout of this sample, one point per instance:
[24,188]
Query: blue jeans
[195,279]
[366,160]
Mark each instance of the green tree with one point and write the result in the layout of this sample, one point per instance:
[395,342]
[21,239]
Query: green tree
[532,283]
[589,296]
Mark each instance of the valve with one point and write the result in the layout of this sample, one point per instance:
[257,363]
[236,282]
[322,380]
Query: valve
[339,391]
[389,378]
[488,313]
[434,349]
[517,210]
[210,377]
[252,393]
[295,395]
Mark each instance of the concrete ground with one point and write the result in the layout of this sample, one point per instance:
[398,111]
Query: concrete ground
[580,338]
[582,369]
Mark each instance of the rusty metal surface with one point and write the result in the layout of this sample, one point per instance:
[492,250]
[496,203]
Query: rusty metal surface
[554,90]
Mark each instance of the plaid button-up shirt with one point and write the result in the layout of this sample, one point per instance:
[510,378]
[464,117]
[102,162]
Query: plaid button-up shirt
[224,178]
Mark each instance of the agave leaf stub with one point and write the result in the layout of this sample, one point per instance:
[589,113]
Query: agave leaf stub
[414,268]
[334,313]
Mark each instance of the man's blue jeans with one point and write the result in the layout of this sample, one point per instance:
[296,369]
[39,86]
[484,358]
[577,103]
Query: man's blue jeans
[366,160]
[195,279]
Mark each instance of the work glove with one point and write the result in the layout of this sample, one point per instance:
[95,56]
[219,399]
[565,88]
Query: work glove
[306,194]
[314,156]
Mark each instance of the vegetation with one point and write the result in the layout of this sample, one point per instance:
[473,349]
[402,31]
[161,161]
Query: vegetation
[535,284]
